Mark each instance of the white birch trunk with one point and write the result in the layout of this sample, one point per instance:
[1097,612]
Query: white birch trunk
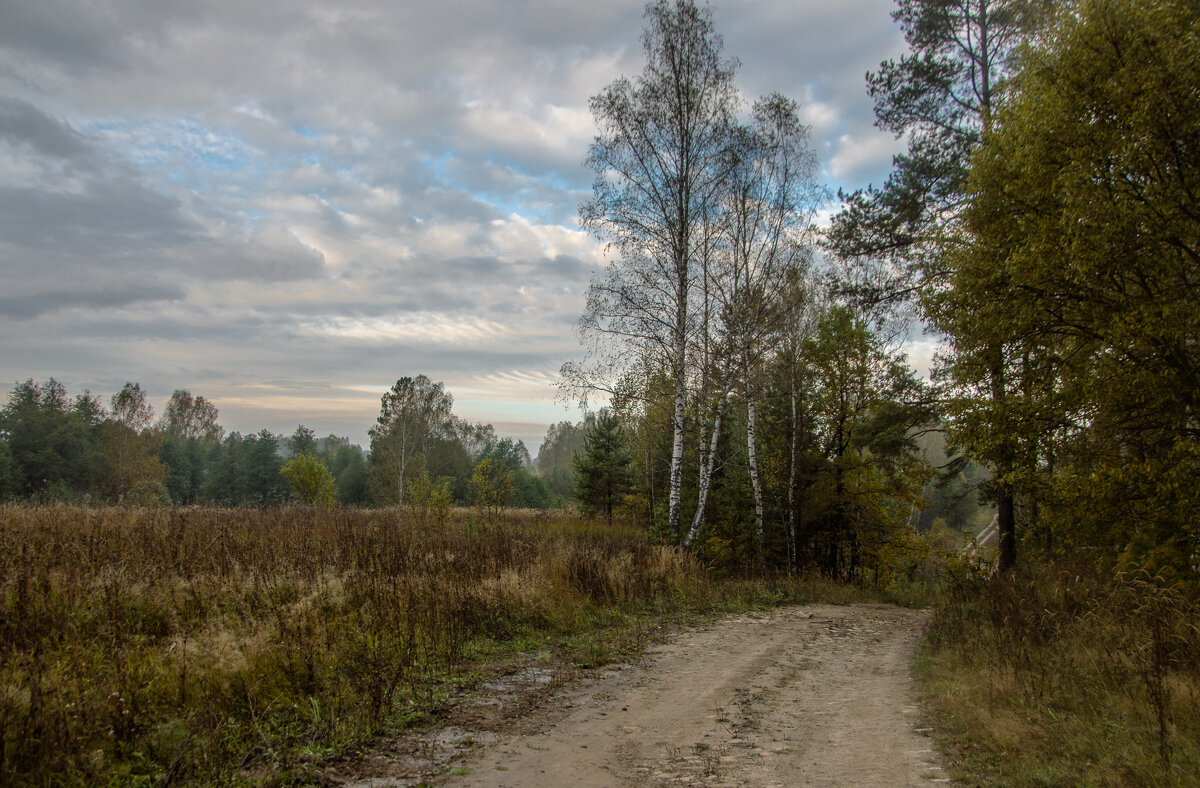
[706,470]
[752,457]
[401,465]
[673,521]
[792,557]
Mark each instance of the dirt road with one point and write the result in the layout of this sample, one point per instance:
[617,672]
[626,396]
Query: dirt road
[817,695]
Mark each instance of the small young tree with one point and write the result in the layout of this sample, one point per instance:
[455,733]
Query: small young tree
[602,472]
[491,486]
[312,483]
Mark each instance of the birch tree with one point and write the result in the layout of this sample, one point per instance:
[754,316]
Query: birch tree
[802,303]
[768,203]
[413,414]
[188,417]
[133,471]
[773,202]
[658,156]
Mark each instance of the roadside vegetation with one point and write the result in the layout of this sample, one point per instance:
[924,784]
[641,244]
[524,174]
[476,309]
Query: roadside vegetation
[1060,675]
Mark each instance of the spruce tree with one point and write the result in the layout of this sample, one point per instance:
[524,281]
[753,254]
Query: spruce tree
[602,471]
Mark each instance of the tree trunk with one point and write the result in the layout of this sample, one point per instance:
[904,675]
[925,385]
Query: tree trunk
[673,520]
[752,458]
[706,470]
[1006,525]
[650,481]
[1006,529]
[793,510]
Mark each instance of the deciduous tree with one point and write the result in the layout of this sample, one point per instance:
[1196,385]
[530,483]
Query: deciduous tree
[187,417]
[766,209]
[312,483]
[1082,259]
[659,156]
[413,415]
[133,471]
[491,485]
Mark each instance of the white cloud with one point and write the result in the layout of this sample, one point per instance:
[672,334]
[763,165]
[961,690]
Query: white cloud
[214,195]
[821,117]
[857,154]
[424,328]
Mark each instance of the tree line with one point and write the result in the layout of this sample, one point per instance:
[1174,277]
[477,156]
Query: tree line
[769,422]
[58,447]
[1042,224]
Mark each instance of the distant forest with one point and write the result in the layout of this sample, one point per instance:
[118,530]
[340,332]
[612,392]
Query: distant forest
[58,447]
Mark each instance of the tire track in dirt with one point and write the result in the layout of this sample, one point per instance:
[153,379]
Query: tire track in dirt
[816,695]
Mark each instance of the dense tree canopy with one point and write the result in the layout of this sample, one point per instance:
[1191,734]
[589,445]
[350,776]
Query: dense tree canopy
[894,242]
[52,440]
[1082,259]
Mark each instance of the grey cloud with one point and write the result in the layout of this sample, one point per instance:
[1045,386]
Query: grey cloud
[564,267]
[108,218]
[371,156]
[48,301]
[450,204]
[462,283]
[21,123]
[72,35]
[265,254]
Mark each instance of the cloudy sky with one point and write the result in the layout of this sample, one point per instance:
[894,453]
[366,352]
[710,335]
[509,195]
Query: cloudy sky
[285,205]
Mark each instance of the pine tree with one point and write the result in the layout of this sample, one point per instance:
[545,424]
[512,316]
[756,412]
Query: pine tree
[942,96]
[602,471]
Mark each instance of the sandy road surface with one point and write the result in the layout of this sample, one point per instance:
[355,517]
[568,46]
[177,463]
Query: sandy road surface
[815,695]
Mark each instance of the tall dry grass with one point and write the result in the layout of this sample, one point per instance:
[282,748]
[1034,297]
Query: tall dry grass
[202,646]
[1062,676]
[188,645]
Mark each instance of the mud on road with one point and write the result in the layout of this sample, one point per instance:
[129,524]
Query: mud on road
[815,695]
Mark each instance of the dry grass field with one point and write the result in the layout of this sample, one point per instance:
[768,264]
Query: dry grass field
[202,646]
[1063,676]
